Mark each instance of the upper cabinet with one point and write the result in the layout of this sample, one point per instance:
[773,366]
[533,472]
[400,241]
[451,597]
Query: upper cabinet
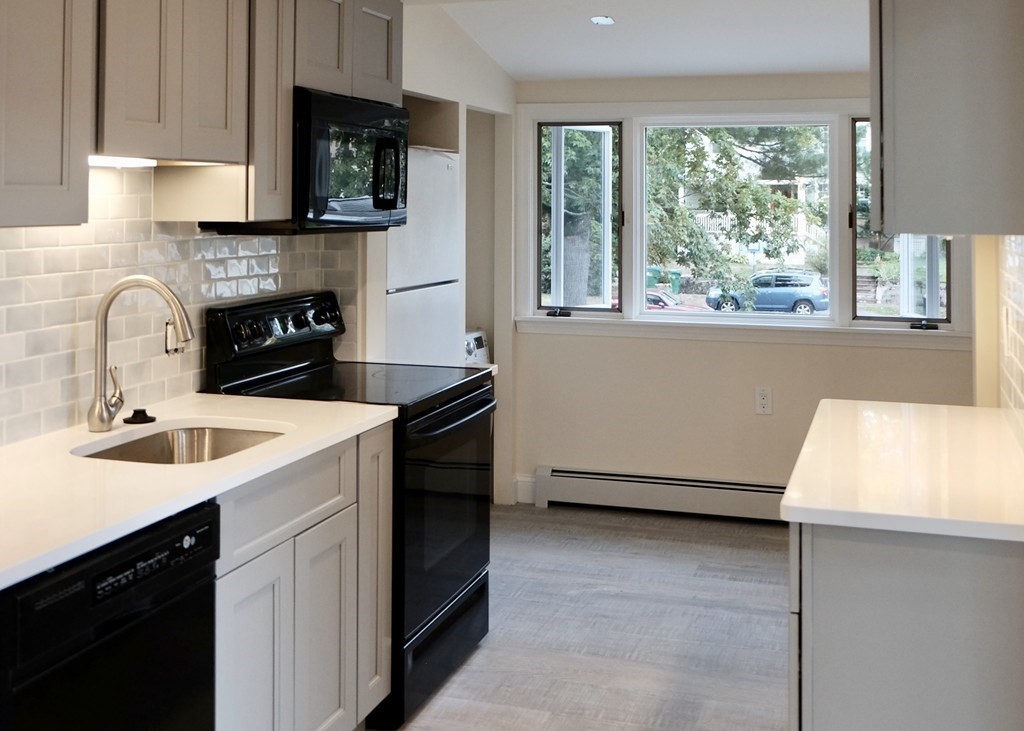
[46,111]
[350,48]
[173,79]
[260,190]
[946,97]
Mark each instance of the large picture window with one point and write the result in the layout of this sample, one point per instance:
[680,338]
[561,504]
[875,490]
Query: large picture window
[736,218]
[580,221]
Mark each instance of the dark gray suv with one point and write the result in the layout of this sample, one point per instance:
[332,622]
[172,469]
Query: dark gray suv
[783,291]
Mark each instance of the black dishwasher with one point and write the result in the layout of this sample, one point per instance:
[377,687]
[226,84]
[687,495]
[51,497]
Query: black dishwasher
[119,639]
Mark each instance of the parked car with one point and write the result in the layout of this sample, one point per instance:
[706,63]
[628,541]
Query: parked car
[784,291]
[658,299]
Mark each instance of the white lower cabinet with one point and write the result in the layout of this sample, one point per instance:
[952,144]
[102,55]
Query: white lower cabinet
[303,617]
[326,564]
[256,644]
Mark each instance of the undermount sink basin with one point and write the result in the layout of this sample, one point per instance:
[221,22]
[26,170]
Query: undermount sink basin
[185,445]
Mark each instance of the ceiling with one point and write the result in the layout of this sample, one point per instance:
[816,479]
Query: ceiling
[554,39]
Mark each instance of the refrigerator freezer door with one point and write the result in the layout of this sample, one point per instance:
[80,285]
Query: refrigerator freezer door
[430,247]
[426,326]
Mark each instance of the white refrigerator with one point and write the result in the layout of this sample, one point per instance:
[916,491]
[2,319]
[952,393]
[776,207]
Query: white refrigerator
[426,298]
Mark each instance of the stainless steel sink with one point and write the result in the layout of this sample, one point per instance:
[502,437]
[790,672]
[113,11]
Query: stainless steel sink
[185,445]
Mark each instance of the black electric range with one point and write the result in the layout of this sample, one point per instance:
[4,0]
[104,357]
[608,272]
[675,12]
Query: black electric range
[283,347]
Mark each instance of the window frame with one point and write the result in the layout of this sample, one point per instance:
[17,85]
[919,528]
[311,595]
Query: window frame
[632,319]
[538,289]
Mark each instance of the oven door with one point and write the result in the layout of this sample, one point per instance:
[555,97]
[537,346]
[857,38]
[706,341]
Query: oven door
[445,503]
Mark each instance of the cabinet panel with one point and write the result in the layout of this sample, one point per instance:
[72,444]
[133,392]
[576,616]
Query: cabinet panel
[326,624]
[323,44]
[46,110]
[375,534]
[945,97]
[141,84]
[377,51]
[270,121]
[215,76]
[255,644]
[910,631]
[271,509]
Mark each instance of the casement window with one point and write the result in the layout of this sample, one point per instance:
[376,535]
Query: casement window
[901,277]
[750,217]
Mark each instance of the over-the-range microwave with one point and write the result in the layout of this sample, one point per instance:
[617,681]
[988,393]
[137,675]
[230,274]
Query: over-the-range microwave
[349,162]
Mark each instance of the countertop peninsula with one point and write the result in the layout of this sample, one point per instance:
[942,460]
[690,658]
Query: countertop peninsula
[919,468]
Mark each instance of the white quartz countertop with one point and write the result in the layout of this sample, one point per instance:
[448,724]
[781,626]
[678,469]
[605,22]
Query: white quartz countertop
[55,506]
[945,470]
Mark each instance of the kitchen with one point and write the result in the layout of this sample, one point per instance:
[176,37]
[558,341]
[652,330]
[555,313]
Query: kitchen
[52,278]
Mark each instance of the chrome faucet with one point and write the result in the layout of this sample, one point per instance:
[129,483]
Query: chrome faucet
[103,410]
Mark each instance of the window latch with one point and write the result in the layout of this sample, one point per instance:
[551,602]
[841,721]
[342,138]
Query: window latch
[923,325]
[559,312]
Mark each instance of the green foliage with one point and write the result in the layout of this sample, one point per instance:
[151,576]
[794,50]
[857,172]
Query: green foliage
[724,170]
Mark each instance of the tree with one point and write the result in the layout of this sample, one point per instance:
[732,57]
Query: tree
[720,170]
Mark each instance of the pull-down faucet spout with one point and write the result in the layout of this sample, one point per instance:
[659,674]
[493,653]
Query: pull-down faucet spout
[103,410]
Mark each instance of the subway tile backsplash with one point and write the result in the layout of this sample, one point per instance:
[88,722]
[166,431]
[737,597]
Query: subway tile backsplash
[52,278]
[1011,329]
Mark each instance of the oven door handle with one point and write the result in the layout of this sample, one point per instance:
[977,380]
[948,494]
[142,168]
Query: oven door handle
[441,428]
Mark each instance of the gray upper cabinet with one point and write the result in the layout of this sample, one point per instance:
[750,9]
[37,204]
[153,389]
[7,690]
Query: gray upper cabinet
[260,190]
[173,79]
[350,48]
[946,97]
[46,111]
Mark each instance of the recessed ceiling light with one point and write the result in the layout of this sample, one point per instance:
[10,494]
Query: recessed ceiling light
[602,20]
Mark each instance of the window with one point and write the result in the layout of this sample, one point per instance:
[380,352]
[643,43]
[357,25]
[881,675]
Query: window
[726,203]
[901,277]
[579,221]
[754,217]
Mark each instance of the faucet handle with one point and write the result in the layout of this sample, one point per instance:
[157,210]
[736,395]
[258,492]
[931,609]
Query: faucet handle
[116,400]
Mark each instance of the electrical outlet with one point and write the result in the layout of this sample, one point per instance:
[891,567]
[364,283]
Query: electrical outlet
[762,400]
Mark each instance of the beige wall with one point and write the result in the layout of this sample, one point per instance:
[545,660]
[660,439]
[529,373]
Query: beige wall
[686,408]
[441,61]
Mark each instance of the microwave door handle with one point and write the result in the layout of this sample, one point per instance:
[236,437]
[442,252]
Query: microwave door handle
[385,151]
[320,165]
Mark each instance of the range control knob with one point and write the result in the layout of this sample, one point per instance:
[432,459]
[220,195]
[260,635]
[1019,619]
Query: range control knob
[323,315]
[300,321]
[241,332]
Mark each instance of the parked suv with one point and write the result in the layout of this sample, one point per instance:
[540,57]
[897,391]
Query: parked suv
[784,291]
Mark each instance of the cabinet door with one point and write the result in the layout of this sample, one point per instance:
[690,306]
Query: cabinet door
[214,80]
[46,111]
[377,51]
[946,98]
[140,89]
[375,509]
[255,651]
[323,44]
[326,624]
[270,128]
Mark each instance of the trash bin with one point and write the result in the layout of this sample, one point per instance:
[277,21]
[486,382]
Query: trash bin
[675,279]
[653,275]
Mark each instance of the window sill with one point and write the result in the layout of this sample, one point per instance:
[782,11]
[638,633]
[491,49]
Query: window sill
[802,334]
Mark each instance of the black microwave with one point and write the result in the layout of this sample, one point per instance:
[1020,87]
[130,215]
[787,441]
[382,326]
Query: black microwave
[349,162]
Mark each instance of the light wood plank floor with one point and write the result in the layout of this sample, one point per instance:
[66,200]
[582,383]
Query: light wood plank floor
[605,620]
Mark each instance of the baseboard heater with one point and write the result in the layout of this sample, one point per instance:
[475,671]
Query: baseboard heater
[652,492]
